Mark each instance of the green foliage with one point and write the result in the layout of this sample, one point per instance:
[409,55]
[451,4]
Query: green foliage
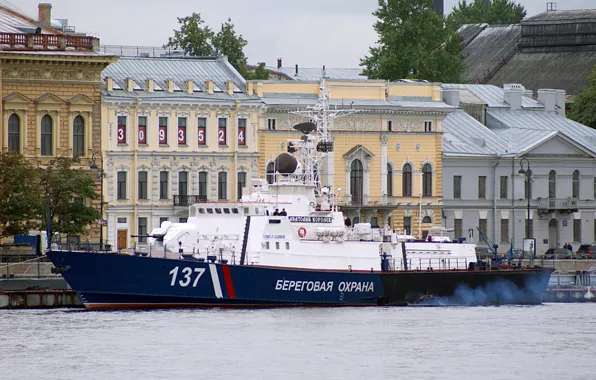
[63,185]
[259,72]
[197,39]
[584,105]
[19,195]
[475,12]
[413,44]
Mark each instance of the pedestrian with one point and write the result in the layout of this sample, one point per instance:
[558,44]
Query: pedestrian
[283,212]
[276,212]
[570,247]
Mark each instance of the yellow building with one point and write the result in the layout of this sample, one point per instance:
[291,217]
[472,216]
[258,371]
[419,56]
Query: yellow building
[176,131]
[50,92]
[387,160]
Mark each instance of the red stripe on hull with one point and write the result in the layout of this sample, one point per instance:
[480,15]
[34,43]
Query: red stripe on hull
[228,280]
[119,306]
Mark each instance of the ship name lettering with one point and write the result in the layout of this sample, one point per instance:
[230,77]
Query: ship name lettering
[300,286]
[310,219]
[274,236]
[356,286]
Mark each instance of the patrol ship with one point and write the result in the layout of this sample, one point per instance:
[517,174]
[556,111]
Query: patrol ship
[248,254]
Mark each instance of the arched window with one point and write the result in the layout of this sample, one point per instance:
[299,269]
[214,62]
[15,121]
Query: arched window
[407,180]
[427,181]
[14,133]
[356,182]
[78,136]
[389,180]
[552,184]
[528,184]
[270,172]
[427,219]
[575,185]
[46,135]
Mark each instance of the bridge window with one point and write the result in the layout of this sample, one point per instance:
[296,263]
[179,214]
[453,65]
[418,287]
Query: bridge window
[276,245]
[201,210]
[235,211]
[287,245]
[218,211]
[209,211]
[226,210]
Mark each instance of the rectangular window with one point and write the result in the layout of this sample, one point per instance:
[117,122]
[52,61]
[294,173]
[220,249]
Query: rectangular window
[529,228]
[241,183]
[203,186]
[271,124]
[389,125]
[407,225]
[482,225]
[457,228]
[161,220]
[121,131]
[181,131]
[222,185]
[121,191]
[241,131]
[121,220]
[482,187]
[594,187]
[182,220]
[163,185]
[457,187]
[577,230]
[428,126]
[505,230]
[222,131]
[142,230]
[142,185]
[183,184]
[202,131]
[142,130]
[163,130]
[504,187]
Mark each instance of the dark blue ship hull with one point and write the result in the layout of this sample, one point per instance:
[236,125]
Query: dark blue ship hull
[110,281]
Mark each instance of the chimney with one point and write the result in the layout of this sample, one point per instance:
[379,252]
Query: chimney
[439,7]
[296,70]
[209,86]
[170,85]
[45,14]
[149,85]
[450,96]
[513,93]
[249,88]
[189,86]
[548,98]
[109,84]
[129,86]
[560,102]
[279,63]
[529,94]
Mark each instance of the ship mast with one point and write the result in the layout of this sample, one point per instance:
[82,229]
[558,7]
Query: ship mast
[314,147]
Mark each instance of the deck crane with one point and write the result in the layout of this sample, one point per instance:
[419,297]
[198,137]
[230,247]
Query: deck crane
[493,247]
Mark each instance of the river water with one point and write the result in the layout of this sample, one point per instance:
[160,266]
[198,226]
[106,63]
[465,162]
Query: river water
[550,341]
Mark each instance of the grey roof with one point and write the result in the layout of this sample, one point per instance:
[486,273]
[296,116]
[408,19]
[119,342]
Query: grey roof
[525,127]
[199,70]
[576,15]
[490,95]
[488,50]
[316,74]
[465,136]
[13,21]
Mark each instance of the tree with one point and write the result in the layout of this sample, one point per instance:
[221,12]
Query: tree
[197,39]
[476,12]
[66,189]
[259,72]
[413,44]
[584,105]
[19,195]
[193,37]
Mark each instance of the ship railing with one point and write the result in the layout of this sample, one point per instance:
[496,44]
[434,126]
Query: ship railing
[432,264]
[33,268]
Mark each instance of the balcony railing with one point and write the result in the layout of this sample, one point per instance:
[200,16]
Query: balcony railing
[557,204]
[187,200]
[49,41]
[383,201]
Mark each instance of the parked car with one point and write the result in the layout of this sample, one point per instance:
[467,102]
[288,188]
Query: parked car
[587,251]
[558,253]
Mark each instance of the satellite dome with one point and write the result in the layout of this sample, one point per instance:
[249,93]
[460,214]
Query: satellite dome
[285,163]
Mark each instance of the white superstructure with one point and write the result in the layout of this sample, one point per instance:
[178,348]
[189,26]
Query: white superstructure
[311,231]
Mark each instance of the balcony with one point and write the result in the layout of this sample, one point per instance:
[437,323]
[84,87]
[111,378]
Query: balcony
[394,202]
[188,200]
[48,41]
[548,205]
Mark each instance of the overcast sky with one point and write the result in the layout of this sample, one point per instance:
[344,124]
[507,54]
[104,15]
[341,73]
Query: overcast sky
[311,33]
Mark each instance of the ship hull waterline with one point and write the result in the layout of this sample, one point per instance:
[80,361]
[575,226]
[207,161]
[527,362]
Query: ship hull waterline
[116,281]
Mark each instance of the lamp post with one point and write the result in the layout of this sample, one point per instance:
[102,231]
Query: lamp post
[94,166]
[527,172]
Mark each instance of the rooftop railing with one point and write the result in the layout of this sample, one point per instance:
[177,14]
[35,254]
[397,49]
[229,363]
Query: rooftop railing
[49,41]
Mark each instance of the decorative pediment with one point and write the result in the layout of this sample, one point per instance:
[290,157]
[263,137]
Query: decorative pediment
[16,98]
[359,151]
[560,146]
[49,99]
[80,99]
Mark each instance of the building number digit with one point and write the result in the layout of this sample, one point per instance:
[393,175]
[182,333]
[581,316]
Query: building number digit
[187,272]
[141,135]
[222,136]
[162,135]
[120,134]
[181,135]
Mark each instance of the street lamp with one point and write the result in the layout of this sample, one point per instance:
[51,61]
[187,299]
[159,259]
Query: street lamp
[528,173]
[94,166]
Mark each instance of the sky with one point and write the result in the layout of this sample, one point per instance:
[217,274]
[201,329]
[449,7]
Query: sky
[310,33]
